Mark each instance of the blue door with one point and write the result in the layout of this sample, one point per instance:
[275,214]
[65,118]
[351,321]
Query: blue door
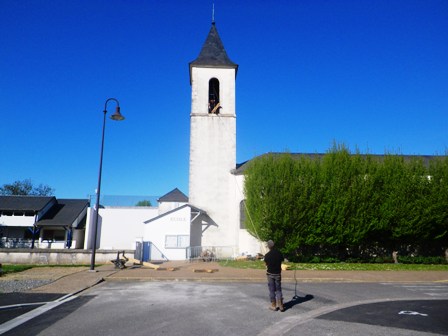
[146,251]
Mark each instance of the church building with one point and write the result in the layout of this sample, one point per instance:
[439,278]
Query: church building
[210,218]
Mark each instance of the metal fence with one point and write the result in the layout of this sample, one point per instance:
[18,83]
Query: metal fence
[210,253]
[147,251]
[123,200]
[17,243]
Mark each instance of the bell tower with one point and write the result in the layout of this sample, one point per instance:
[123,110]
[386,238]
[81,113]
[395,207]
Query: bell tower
[213,145]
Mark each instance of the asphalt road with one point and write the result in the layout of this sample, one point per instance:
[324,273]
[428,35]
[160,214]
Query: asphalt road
[197,308]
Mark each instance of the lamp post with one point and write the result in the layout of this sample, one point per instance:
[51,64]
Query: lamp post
[116,116]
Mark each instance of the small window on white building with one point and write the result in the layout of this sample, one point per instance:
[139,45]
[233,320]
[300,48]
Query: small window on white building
[177,241]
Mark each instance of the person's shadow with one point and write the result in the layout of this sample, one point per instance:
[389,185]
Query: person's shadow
[297,300]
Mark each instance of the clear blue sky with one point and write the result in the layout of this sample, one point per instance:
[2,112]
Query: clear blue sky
[371,74]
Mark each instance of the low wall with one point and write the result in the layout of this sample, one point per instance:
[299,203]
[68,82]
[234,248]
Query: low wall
[58,257]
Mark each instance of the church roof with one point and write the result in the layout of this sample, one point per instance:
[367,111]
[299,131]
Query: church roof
[241,167]
[174,195]
[213,53]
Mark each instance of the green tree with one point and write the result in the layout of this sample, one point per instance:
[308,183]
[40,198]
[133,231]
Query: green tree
[270,193]
[24,188]
[348,204]
[438,201]
[144,203]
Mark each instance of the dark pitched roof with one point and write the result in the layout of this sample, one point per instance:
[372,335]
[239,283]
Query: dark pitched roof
[213,53]
[65,213]
[240,168]
[174,195]
[25,203]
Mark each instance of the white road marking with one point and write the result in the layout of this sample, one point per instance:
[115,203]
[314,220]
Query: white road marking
[409,312]
[427,289]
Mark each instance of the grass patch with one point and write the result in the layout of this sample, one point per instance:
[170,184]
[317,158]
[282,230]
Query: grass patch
[10,268]
[338,266]
[15,268]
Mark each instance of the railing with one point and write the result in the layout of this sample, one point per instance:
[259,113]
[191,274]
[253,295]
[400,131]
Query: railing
[123,201]
[210,253]
[153,252]
[156,254]
[16,243]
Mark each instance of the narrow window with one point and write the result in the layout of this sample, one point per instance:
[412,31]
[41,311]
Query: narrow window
[213,96]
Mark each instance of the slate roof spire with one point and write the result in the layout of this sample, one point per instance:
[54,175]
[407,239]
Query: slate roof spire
[213,53]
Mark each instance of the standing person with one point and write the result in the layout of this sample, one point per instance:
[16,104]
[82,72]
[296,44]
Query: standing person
[273,260]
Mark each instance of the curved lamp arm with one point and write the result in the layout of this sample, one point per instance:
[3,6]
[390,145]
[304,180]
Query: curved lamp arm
[117,115]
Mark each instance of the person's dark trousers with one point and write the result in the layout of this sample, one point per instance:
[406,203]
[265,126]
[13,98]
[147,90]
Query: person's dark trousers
[275,287]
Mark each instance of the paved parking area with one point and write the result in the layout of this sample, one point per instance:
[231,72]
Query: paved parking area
[235,308]
[206,298]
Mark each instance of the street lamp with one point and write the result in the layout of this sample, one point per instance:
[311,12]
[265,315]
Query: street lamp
[116,116]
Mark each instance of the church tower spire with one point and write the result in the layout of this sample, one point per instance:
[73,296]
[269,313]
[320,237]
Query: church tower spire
[213,53]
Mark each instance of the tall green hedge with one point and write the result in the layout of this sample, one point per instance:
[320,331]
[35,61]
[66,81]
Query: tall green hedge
[347,204]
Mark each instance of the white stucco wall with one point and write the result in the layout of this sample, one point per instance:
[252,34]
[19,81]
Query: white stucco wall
[22,221]
[176,223]
[78,239]
[200,78]
[118,227]
[247,244]
[168,206]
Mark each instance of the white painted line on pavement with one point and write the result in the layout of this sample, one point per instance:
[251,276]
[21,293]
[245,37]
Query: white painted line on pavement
[425,286]
[22,305]
[437,294]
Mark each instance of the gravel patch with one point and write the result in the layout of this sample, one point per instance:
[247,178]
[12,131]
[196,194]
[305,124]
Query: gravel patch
[34,277]
[14,286]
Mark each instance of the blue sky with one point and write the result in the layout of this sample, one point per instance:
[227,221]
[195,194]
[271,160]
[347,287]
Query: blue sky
[371,74]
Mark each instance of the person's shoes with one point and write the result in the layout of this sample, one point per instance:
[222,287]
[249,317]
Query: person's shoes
[280,305]
[273,306]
